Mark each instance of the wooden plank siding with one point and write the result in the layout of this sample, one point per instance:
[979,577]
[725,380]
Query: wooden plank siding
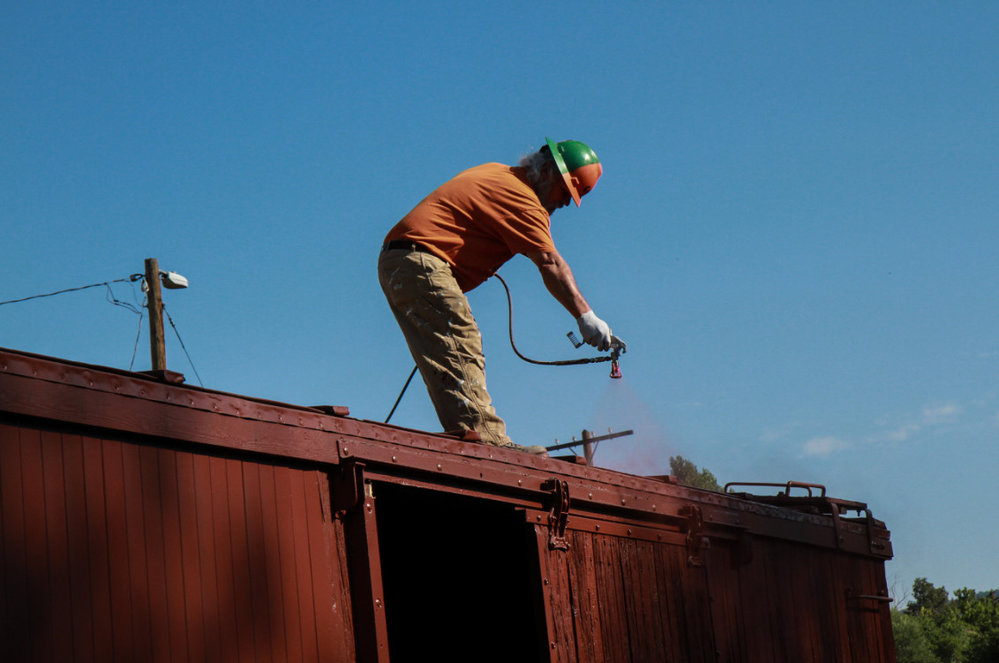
[790,603]
[117,551]
[142,521]
[619,599]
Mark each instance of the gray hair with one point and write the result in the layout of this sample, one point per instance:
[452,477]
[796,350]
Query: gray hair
[535,163]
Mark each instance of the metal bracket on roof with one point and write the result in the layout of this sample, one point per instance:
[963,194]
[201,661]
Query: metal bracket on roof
[875,545]
[837,508]
[558,512]
[334,410]
[696,541]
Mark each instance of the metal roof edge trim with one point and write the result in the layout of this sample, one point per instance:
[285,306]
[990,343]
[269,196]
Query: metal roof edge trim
[601,491]
[140,386]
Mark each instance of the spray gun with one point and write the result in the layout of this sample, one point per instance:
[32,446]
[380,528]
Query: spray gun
[618,347]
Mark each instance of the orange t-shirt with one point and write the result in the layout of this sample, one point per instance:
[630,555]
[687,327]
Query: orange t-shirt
[478,220]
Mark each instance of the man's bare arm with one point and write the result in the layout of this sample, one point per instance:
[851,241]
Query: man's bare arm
[558,279]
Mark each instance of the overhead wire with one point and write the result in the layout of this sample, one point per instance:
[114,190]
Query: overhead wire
[184,347]
[135,347]
[59,292]
[136,308]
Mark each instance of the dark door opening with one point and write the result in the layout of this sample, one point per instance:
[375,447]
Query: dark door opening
[460,578]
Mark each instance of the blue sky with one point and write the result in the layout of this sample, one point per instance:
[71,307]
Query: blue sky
[795,233]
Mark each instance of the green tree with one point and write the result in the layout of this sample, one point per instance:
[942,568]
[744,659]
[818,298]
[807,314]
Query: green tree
[948,635]
[686,473]
[927,598]
[980,613]
[934,627]
[911,643]
[939,622]
[985,648]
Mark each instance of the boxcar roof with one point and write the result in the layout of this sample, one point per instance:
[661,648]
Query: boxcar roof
[124,402]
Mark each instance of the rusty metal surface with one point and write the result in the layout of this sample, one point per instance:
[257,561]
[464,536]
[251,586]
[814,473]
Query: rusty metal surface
[176,523]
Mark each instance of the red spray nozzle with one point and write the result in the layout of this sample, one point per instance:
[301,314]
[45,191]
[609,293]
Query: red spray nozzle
[617,349]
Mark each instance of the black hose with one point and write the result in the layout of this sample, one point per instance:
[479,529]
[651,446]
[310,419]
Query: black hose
[562,362]
[404,388]
[509,305]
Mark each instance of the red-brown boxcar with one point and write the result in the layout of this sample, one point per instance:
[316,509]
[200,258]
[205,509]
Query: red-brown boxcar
[147,521]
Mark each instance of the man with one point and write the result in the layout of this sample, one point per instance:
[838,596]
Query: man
[455,239]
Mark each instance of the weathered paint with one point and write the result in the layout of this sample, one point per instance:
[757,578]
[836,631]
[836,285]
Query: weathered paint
[143,521]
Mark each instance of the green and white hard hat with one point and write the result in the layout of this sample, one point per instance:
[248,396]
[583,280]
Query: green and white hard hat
[578,164]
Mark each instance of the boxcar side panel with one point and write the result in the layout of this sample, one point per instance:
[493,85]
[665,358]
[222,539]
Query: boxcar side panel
[119,551]
[612,598]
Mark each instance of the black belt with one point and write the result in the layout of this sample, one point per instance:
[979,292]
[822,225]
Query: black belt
[405,245]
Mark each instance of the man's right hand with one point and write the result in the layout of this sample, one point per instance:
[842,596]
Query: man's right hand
[595,331]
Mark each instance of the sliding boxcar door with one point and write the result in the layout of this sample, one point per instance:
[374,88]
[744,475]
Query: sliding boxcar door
[615,592]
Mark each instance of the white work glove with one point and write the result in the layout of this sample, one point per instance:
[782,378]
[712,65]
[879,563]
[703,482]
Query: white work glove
[595,331]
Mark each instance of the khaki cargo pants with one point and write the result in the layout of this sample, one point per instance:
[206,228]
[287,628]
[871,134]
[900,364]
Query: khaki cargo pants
[444,339]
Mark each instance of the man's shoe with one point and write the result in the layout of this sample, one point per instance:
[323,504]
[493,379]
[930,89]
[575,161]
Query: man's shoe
[535,449]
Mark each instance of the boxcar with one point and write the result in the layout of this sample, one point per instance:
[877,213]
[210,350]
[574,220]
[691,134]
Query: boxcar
[146,520]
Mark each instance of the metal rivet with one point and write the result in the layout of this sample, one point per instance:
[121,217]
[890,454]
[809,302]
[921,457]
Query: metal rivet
[393,459]
[438,466]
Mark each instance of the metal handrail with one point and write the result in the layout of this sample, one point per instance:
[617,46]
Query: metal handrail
[787,486]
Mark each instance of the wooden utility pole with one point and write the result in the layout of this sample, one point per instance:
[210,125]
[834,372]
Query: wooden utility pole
[588,447]
[157,342]
[589,443]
